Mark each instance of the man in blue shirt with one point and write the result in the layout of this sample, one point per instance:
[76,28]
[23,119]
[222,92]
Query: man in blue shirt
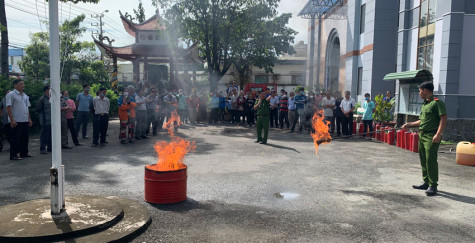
[299,101]
[222,107]
[83,103]
[369,107]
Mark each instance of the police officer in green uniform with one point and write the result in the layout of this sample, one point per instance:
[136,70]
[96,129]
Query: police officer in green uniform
[263,111]
[433,119]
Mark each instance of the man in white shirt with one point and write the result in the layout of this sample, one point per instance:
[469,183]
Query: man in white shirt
[328,104]
[141,115]
[347,107]
[18,103]
[234,98]
[101,112]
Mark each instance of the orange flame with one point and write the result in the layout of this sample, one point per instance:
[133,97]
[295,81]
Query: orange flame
[320,134]
[171,154]
[172,122]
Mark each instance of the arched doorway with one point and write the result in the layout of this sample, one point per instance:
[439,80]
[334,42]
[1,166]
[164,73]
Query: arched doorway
[332,62]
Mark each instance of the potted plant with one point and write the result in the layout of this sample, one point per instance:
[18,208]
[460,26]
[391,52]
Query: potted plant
[383,114]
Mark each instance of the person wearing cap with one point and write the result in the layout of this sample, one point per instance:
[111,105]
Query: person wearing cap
[262,107]
[431,123]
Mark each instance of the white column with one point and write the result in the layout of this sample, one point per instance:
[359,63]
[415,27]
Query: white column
[57,192]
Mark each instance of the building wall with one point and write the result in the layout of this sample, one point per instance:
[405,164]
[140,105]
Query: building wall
[282,73]
[338,22]
[374,50]
[454,56]
[467,60]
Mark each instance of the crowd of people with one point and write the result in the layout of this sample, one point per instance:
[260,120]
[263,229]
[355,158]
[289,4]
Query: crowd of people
[143,115]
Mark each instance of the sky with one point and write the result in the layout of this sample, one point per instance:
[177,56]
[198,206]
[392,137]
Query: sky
[25,17]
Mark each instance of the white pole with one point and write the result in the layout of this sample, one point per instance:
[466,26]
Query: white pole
[57,193]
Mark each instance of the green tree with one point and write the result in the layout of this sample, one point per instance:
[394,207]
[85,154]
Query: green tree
[224,32]
[70,32]
[36,63]
[4,32]
[259,40]
[76,57]
[140,13]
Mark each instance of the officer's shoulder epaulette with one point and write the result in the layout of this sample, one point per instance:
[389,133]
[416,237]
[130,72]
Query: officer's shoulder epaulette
[436,99]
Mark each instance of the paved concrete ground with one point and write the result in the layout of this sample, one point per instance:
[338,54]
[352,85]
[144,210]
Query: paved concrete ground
[353,191]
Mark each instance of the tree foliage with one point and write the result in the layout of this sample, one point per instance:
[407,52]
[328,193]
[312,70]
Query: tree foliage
[36,63]
[77,57]
[140,13]
[383,109]
[231,32]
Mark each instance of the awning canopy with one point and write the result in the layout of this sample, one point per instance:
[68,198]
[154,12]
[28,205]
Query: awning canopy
[410,76]
[318,8]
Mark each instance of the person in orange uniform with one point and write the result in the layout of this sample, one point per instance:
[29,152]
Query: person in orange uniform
[127,106]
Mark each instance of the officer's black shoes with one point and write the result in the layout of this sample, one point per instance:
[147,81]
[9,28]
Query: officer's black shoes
[432,191]
[422,186]
[257,141]
[263,142]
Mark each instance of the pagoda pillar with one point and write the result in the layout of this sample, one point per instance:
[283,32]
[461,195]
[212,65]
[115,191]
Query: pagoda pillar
[172,74]
[194,77]
[145,69]
[136,70]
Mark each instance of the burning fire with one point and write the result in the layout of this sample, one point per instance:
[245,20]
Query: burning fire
[171,154]
[320,134]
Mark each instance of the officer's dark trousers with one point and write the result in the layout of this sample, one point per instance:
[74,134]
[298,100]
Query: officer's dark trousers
[273,117]
[250,116]
[262,124]
[45,138]
[347,123]
[19,140]
[100,126]
[428,156]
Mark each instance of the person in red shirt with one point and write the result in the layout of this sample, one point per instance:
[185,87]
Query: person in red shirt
[241,103]
[284,111]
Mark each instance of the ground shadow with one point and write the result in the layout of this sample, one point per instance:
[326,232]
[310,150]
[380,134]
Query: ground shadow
[185,206]
[282,147]
[457,197]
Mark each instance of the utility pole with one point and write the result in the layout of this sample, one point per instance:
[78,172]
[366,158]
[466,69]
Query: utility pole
[4,41]
[57,169]
[100,24]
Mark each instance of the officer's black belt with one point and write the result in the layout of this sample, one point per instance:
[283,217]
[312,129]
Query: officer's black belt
[430,132]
